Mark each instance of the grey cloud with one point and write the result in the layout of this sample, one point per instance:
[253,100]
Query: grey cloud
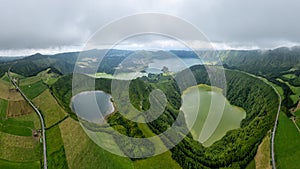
[53,23]
[260,22]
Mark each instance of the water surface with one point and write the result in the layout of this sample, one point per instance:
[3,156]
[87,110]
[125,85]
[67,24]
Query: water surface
[92,106]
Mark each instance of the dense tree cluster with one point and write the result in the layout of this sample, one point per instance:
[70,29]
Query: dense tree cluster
[130,146]
[269,63]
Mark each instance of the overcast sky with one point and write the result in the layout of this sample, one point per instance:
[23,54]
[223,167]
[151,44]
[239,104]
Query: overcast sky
[50,26]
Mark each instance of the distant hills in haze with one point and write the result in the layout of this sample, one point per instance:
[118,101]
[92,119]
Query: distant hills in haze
[259,62]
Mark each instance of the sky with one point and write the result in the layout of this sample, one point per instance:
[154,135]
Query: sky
[52,26]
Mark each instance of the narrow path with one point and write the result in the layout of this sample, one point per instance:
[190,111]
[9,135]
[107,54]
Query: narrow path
[38,113]
[274,130]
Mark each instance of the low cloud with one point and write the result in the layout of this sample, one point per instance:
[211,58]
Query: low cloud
[45,25]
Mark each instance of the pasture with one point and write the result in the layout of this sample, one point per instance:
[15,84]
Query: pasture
[81,152]
[34,90]
[287,144]
[49,107]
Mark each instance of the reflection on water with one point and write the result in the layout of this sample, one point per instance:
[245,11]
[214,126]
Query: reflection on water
[215,115]
[92,106]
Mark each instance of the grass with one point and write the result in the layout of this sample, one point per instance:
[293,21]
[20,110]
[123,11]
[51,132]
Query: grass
[159,145]
[5,164]
[262,157]
[6,93]
[14,125]
[19,148]
[19,128]
[30,117]
[45,76]
[48,77]
[81,152]
[164,160]
[251,165]
[297,114]
[29,80]
[295,98]
[12,74]
[55,149]
[34,90]
[50,109]
[205,129]
[18,108]
[287,144]
[5,78]
[50,80]
[3,108]
[296,90]
[290,76]
[157,162]
[121,76]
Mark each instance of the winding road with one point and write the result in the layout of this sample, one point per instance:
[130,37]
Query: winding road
[38,113]
[274,129]
[276,120]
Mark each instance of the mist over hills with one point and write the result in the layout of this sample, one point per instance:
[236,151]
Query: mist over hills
[236,149]
[259,62]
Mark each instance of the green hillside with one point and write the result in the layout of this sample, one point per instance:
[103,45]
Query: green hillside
[243,91]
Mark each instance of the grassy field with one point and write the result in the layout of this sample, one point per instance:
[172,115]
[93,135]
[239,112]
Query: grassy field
[297,114]
[159,145]
[19,148]
[262,157]
[160,161]
[296,90]
[290,76]
[121,76]
[16,126]
[29,80]
[5,164]
[5,78]
[12,74]
[81,152]
[46,76]
[205,129]
[251,165]
[50,109]
[18,108]
[34,90]
[157,162]
[6,93]
[3,108]
[287,144]
[30,117]
[55,149]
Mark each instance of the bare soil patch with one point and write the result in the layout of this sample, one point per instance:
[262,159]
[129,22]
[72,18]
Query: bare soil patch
[18,108]
[8,92]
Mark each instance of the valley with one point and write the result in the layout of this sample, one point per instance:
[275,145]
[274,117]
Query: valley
[241,137]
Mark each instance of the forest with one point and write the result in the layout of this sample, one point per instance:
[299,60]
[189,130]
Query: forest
[236,149]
